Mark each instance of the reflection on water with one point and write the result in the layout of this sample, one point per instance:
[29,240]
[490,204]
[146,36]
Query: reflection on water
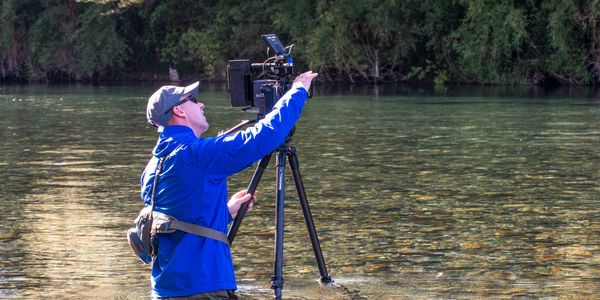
[415,194]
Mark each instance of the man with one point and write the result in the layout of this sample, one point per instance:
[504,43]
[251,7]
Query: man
[192,185]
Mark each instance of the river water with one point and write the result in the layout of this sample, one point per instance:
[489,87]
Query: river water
[416,194]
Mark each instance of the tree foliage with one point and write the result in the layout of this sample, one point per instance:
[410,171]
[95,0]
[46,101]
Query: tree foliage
[454,41]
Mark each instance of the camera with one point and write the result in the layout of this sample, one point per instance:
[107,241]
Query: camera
[258,86]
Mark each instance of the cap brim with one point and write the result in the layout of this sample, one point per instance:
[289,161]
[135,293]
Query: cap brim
[191,89]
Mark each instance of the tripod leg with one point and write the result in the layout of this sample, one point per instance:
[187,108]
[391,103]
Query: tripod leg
[260,169]
[295,167]
[277,279]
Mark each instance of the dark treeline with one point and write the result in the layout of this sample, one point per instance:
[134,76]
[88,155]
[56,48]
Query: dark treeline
[440,41]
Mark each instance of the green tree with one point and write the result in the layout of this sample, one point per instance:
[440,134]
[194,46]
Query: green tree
[489,41]
[51,40]
[573,40]
[98,47]
[15,17]
[8,43]
[472,41]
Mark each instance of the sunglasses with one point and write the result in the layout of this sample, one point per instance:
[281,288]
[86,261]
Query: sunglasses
[189,98]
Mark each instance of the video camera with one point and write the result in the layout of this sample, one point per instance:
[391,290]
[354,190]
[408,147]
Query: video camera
[258,86]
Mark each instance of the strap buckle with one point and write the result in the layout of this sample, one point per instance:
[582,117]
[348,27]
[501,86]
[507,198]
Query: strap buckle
[163,223]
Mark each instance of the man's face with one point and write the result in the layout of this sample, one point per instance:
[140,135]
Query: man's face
[195,114]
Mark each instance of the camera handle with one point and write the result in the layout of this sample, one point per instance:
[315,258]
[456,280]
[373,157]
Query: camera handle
[282,152]
[238,127]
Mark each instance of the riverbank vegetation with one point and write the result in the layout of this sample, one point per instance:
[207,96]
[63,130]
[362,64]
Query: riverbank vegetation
[459,41]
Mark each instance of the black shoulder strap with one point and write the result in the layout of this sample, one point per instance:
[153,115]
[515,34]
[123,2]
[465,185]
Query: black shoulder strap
[158,168]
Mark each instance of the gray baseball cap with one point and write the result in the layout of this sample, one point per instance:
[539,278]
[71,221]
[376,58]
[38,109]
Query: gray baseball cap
[158,111]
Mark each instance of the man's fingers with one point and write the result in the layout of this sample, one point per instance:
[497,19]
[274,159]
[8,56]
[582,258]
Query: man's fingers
[242,197]
[307,76]
[239,194]
[247,197]
[311,74]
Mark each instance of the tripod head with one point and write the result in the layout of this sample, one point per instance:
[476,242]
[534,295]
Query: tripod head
[288,138]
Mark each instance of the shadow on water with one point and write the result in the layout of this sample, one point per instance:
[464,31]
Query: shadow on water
[417,193]
[468,91]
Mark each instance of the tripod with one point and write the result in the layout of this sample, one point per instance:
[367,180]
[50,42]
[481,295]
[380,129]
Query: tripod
[282,152]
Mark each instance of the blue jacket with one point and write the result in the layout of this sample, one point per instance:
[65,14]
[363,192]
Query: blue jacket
[192,187]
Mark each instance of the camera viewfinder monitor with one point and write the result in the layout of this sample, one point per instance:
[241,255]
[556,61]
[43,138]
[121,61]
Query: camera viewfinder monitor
[274,43]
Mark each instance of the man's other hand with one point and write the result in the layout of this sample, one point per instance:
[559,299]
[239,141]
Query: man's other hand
[237,200]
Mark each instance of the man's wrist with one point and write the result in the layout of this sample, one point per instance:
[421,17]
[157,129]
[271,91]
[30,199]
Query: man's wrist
[298,84]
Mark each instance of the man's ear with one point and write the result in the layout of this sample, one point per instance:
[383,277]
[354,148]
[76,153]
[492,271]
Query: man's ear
[178,111]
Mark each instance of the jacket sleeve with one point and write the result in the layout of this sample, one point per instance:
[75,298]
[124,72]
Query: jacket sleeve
[226,155]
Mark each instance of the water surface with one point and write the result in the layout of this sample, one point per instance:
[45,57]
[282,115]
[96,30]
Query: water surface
[415,194]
